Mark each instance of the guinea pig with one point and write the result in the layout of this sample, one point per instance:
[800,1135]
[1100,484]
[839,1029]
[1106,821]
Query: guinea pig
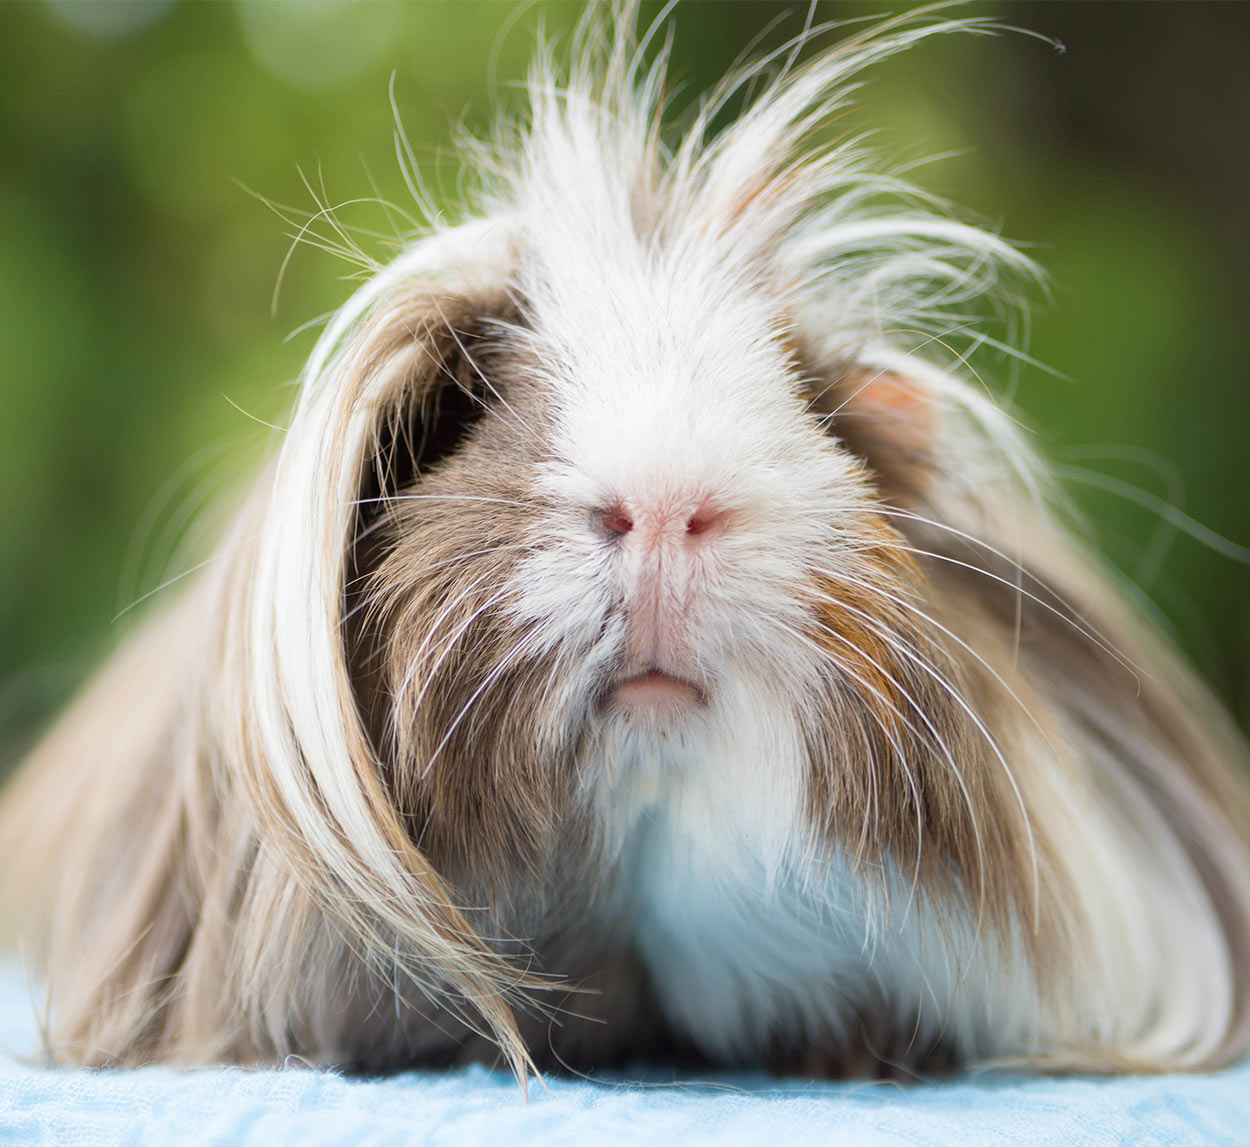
[643,648]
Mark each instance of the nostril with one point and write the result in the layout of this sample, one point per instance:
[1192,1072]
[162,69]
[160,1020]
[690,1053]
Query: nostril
[616,522]
[704,521]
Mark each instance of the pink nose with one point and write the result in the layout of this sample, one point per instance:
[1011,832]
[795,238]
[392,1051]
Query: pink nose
[662,521]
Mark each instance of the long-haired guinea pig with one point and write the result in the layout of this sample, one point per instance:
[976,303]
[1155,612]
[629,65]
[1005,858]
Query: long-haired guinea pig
[638,649]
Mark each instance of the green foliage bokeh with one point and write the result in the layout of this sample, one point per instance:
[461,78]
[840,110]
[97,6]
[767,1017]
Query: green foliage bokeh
[142,355]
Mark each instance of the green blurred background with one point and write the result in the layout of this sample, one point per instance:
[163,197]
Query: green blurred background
[141,355]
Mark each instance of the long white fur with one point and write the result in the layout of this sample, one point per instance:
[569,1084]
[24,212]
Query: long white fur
[653,278]
[711,842]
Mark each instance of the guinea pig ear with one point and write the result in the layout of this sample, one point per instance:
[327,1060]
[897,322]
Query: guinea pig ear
[887,419]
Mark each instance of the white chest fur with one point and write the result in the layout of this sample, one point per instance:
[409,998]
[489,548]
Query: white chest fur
[747,936]
[737,952]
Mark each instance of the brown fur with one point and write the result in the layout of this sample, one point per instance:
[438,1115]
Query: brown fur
[339,799]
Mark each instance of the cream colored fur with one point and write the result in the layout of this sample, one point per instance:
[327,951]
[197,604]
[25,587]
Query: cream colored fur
[363,794]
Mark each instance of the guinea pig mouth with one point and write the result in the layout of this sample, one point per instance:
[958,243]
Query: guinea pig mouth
[654,690]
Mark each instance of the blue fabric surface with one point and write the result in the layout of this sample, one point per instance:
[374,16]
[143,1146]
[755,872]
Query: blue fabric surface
[163,1107]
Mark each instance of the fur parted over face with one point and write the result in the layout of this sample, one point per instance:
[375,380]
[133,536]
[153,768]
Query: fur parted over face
[637,647]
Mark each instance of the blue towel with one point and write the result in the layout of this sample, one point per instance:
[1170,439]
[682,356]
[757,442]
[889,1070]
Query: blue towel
[167,1108]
